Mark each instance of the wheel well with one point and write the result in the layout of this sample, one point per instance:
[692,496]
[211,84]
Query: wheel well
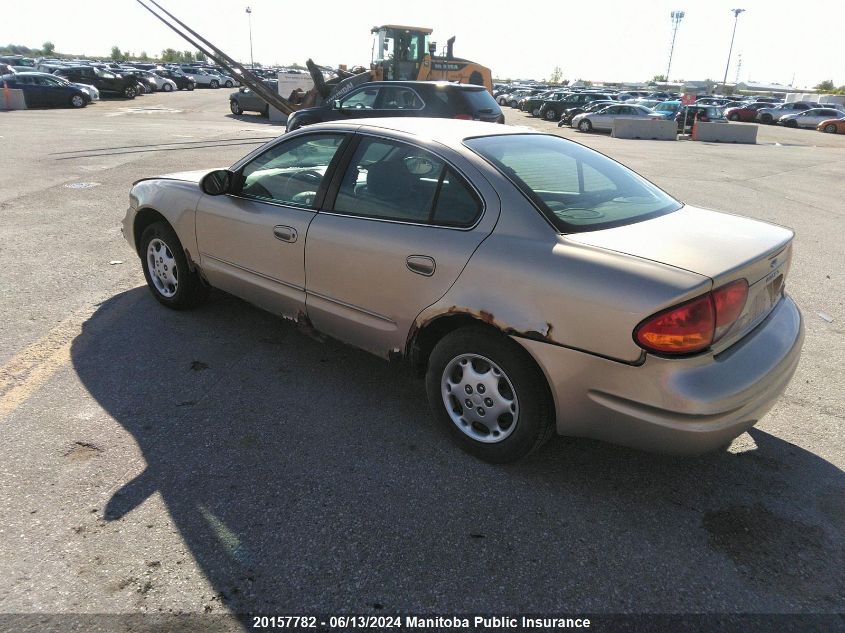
[143,219]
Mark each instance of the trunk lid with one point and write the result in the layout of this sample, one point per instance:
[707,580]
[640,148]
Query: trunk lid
[721,246]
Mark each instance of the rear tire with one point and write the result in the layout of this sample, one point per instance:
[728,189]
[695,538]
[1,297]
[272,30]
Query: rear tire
[214,84]
[190,87]
[551,115]
[518,388]
[169,277]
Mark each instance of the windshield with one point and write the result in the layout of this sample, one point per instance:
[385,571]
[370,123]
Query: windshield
[576,188]
[104,73]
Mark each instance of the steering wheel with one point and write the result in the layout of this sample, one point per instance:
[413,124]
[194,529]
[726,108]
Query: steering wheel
[307,177]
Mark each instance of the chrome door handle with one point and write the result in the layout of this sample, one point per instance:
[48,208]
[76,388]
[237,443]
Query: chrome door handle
[285,233]
[421,264]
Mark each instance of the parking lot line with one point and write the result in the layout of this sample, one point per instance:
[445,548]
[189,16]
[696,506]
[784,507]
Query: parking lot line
[31,368]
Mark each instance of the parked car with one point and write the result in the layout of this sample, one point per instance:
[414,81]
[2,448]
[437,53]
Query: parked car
[688,115]
[161,83]
[532,104]
[773,114]
[746,112]
[201,77]
[539,285]
[142,77]
[832,126]
[91,91]
[603,119]
[19,63]
[225,80]
[438,99]
[665,110]
[809,118]
[593,106]
[552,110]
[107,82]
[245,100]
[41,90]
[182,81]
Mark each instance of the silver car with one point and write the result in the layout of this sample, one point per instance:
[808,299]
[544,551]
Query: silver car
[603,119]
[810,118]
[541,286]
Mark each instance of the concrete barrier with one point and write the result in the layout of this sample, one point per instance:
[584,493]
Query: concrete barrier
[645,128]
[12,99]
[725,132]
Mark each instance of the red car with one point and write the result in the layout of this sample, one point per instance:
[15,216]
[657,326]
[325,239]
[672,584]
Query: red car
[747,112]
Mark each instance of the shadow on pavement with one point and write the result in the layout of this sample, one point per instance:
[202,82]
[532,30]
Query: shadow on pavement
[309,476]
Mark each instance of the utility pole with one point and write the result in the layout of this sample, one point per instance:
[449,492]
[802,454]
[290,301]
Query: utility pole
[249,17]
[676,16]
[738,67]
[736,13]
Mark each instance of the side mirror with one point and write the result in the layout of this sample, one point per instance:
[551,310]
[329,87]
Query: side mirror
[337,105]
[217,182]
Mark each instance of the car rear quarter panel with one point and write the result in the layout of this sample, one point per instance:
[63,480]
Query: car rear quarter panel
[528,281]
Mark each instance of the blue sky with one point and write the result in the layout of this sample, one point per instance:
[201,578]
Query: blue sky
[600,40]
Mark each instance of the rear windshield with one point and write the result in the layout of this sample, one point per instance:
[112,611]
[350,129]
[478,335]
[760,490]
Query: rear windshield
[481,100]
[576,188]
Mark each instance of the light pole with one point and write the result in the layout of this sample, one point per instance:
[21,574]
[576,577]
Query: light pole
[736,13]
[249,17]
[676,16]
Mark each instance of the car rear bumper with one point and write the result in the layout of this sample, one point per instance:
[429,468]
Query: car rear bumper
[684,405]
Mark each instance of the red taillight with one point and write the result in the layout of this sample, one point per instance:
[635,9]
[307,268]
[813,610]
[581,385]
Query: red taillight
[694,325]
[729,301]
[464,117]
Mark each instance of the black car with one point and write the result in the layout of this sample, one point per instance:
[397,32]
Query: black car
[107,82]
[569,114]
[183,82]
[41,90]
[246,100]
[532,104]
[405,98]
[687,115]
[551,110]
[148,83]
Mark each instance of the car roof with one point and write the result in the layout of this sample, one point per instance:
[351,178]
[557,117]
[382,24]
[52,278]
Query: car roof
[445,131]
[424,84]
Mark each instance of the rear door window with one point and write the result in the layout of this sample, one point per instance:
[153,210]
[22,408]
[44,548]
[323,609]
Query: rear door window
[391,180]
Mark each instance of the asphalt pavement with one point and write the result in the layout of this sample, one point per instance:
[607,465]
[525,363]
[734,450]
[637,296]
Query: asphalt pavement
[219,460]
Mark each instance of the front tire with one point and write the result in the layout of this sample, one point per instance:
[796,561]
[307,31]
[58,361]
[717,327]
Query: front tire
[166,269]
[551,115]
[830,129]
[489,395]
[766,118]
[167,87]
[791,123]
[585,126]
[76,101]
[129,92]
[235,107]
[733,117]
[229,84]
